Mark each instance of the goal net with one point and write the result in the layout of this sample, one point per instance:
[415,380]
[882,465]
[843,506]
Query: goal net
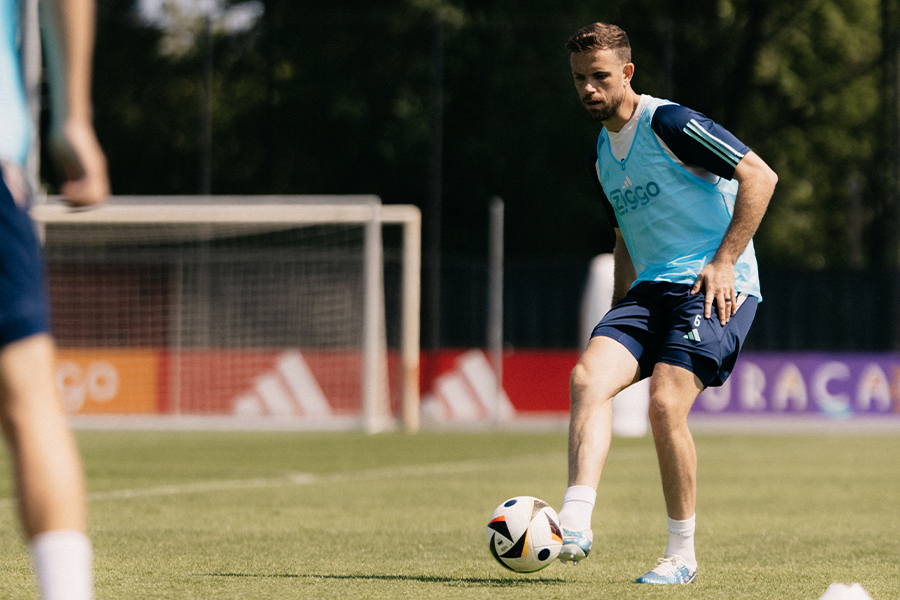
[255,310]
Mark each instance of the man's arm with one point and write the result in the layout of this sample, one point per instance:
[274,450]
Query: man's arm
[624,273]
[69,48]
[756,185]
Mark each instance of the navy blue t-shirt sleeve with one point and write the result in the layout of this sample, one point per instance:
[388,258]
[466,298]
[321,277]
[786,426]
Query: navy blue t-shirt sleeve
[610,212]
[698,140]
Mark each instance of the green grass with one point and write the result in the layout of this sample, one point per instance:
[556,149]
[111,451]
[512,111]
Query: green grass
[181,515]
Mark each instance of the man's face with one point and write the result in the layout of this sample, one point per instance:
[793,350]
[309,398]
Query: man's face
[600,79]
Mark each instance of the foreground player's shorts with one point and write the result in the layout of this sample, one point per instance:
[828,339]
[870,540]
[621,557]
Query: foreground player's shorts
[23,304]
[658,321]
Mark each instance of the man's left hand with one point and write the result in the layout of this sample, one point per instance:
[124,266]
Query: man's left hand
[716,280]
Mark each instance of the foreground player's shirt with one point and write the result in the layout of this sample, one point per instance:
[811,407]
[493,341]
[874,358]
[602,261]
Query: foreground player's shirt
[667,183]
[15,121]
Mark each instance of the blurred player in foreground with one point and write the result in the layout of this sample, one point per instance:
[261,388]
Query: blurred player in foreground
[685,197]
[48,472]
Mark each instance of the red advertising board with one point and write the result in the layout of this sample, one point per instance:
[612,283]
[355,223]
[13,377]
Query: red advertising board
[298,382]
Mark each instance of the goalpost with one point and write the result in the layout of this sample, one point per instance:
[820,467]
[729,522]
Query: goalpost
[250,309]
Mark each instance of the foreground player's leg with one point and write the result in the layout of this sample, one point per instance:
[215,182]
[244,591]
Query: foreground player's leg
[62,563]
[673,390]
[48,472]
[605,369]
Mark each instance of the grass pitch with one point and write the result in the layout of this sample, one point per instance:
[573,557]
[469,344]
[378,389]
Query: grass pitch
[211,515]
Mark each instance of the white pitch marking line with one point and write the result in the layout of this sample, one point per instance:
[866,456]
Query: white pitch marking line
[404,472]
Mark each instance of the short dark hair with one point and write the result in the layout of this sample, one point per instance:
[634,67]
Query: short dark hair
[601,36]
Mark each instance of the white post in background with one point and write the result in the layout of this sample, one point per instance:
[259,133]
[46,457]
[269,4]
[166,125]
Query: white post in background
[495,303]
[32,72]
[410,330]
[374,380]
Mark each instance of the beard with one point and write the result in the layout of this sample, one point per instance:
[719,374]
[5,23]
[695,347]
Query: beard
[605,111]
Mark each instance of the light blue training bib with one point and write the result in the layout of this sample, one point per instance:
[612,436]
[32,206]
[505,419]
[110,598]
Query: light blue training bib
[672,221]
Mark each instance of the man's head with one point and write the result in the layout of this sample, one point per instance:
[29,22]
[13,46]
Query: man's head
[601,36]
[602,69]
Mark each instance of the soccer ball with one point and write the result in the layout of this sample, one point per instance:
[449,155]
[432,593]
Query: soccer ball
[524,534]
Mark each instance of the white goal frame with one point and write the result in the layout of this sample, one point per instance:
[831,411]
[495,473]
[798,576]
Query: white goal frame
[302,210]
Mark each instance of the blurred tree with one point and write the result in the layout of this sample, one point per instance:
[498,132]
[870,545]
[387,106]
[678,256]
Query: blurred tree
[884,171]
[335,99]
[805,91]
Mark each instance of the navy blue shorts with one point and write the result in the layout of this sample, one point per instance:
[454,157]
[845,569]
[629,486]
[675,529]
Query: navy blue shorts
[663,322]
[23,303]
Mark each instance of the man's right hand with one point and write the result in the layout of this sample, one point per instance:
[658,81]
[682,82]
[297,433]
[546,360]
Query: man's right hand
[83,164]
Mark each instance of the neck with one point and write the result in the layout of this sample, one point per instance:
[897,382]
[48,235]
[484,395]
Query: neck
[625,112]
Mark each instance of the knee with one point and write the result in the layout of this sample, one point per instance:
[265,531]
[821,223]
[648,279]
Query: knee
[589,387]
[666,411]
[24,411]
[579,381]
[9,423]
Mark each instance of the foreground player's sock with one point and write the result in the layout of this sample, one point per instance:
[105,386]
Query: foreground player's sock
[578,504]
[681,541]
[62,563]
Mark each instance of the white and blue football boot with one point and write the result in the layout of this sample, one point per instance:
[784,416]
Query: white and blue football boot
[671,570]
[576,545]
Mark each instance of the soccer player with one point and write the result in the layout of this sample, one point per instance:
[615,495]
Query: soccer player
[685,197]
[48,472]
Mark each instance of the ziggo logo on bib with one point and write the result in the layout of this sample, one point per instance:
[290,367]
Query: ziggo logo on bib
[633,196]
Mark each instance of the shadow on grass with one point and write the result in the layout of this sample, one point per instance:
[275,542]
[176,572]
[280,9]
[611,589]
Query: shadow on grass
[451,581]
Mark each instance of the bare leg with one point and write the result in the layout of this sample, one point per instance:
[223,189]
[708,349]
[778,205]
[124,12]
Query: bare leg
[48,470]
[605,369]
[672,393]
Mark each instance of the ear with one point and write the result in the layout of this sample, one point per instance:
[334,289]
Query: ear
[628,72]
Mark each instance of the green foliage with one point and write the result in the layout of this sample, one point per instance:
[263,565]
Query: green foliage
[337,98]
[815,106]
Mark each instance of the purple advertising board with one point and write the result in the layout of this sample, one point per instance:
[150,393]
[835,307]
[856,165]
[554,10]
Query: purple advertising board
[840,385]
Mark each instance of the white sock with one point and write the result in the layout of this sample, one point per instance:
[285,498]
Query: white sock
[62,563]
[578,504]
[681,540]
